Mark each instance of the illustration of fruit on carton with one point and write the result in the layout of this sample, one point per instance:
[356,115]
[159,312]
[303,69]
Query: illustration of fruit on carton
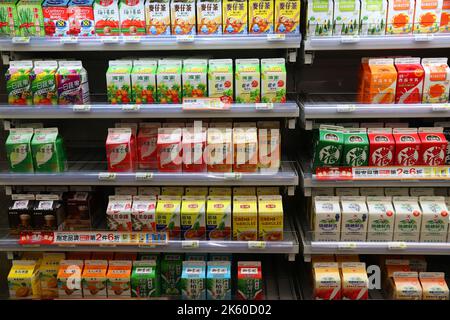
[235,16]
[433,146]
[118,279]
[327,281]
[94,279]
[434,286]
[69,279]
[193,210]
[9,21]
[56,17]
[23,280]
[118,213]
[320,18]
[81,18]
[194,143]
[434,219]
[169,150]
[106,14]
[168,216]
[182,14]
[261,15]
[193,280]
[410,76]
[209,17]
[143,216]
[287,16]
[147,140]
[18,150]
[373,17]
[48,151]
[218,217]
[249,281]
[445,17]
[43,85]
[118,81]
[273,80]
[143,81]
[72,82]
[31,19]
[437,80]
[380,81]
[245,149]
[194,78]
[408,219]
[48,272]
[145,279]
[18,82]
[400,16]
[220,79]
[245,218]
[407,146]
[120,153]
[270,218]
[427,16]
[132,17]
[355,283]
[218,280]
[157,13]
[168,79]
[248,77]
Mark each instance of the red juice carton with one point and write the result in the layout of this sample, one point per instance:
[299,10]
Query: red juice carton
[72,83]
[407,146]
[146,146]
[132,17]
[382,147]
[81,18]
[433,146]
[194,143]
[169,149]
[410,78]
[56,16]
[119,146]
[106,14]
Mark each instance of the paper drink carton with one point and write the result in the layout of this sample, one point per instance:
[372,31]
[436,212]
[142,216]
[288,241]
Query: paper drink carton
[356,148]
[396,192]
[248,75]
[72,81]
[434,219]
[354,219]
[407,146]
[427,16]
[328,146]
[194,143]
[433,146]
[48,151]
[245,141]
[193,209]
[445,17]
[171,270]
[209,17]
[169,149]
[168,79]
[380,226]
[23,280]
[327,219]
[235,16]
[267,191]
[371,192]
[410,76]
[118,279]
[48,272]
[94,279]
[380,81]
[143,216]
[218,280]
[408,219]
[273,80]
[143,81]
[145,282]
[373,17]
[193,280]
[70,279]
[31,19]
[81,18]
[218,217]
[250,281]
[270,218]
[196,257]
[9,21]
[20,213]
[18,82]
[437,80]
[118,213]
[56,16]
[287,16]
[220,79]
[147,141]
[345,258]
[182,13]
[434,286]
[327,281]
[43,85]
[400,16]
[157,13]
[406,286]
[132,17]
[124,256]
[168,216]
[106,13]
[118,79]
[219,149]
[346,17]
[245,218]
[261,16]
[18,150]
[381,147]
[194,78]
[320,18]
[355,283]
[120,149]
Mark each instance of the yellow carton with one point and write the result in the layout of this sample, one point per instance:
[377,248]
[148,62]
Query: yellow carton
[48,275]
[327,281]
[196,191]
[168,216]
[193,210]
[270,218]
[355,283]
[218,217]
[234,16]
[23,280]
[245,218]
[261,14]
[267,191]
[287,16]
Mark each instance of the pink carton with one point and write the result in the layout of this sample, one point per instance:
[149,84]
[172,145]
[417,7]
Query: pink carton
[169,149]
[147,140]
[194,143]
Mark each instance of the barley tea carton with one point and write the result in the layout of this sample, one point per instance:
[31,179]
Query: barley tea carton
[410,77]
[380,226]
[9,21]
[193,280]
[168,216]
[218,280]
[209,17]
[168,79]
[273,80]
[406,286]
[382,147]
[147,141]
[218,217]
[18,150]
[195,78]
[249,281]
[355,283]
[48,151]
[143,215]
[157,13]
[380,81]
[245,141]
[72,81]
[408,219]
[169,149]
[407,146]
[400,16]
[346,17]
[373,17]
[354,219]
[193,210]
[434,219]
[132,17]
[31,18]
[69,279]
[328,146]
[18,82]
[120,153]
[144,280]
[320,18]
[220,79]
[445,17]
[171,270]
[107,21]
[219,154]
[118,279]
[270,218]
[23,280]
[427,16]
[287,16]
[437,80]
[94,279]
[194,143]
[235,16]
[327,281]
[143,81]
[327,219]
[248,75]
[356,148]
[433,146]
[434,286]
[118,81]
[182,13]
[261,15]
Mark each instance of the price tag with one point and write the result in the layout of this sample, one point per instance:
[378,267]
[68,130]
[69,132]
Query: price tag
[276,37]
[257,244]
[131,107]
[424,37]
[185,38]
[190,244]
[147,246]
[132,39]
[397,245]
[69,40]
[31,245]
[232,175]
[107,176]
[20,40]
[440,107]
[110,39]
[345,108]
[347,246]
[144,176]
[264,106]
[350,39]
[81,108]
[104,245]
[67,245]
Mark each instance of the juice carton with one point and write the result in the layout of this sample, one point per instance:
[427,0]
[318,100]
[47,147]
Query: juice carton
[247,83]
[81,18]
[234,16]
[196,191]
[172,191]
[69,279]
[380,81]
[322,258]
[434,219]
[56,17]
[118,80]
[328,146]
[427,16]
[218,280]
[249,281]
[72,81]
[287,16]
[106,13]
[346,17]
[220,257]
[218,217]
[168,215]
[354,219]
[407,146]
[79,256]
[168,79]
[380,226]
[261,16]
[18,82]
[118,279]
[18,150]
[20,213]
[270,218]
[400,16]
[194,143]
[433,146]
[326,219]
[143,215]
[126,191]
[171,269]
[43,85]
[320,18]
[355,283]
[143,81]
[147,141]
[245,142]
[219,191]
[408,219]
[245,218]
[23,280]
[169,149]
[193,284]
[219,149]
[48,272]
[445,17]
[194,78]
[209,17]
[273,80]
[356,148]
[267,191]
[382,146]
[437,80]
[31,19]
[220,79]
[244,191]
[327,281]
[406,286]
[48,151]
[193,218]
[132,17]
[157,13]
[144,280]
[94,279]
[410,76]
[118,213]
[373,17]
[120,153]
[9,22]
[182,14]
[434,286]
[149,191]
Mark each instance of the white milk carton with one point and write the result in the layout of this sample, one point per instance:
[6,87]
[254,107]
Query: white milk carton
[118,213]
[320,17]
[327,219]
[346,17]
[408,219]
[434,219]
[381,219]
[354,219]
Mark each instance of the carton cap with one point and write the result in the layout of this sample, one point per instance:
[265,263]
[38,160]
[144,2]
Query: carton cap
[46,64]
[150,125]
[407,60]
[431,129]
[125,191]
[434,61]
[381,61]
[117,63]
[404,130]
[399,274]
[355,130]
[380,130]
[144,263]
[331,128]
[72,63]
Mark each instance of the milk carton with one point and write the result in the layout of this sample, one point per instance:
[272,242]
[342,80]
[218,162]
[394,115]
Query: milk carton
[118,213]
[380,226]
[427,16]
[445,17]
[245,218]
[120,153]
[143,215]
[437,80]
[382,147]
[433,146]
[354,219]
[408,219]
[48,151]
[169,149]
[406,286]
[346,17]
[407,146]
[400,16]
[355,283]
[320,18]
[327,281]
[250,284]
[434,286]
[327,219]
[434,219]
[373,17]
[245,141]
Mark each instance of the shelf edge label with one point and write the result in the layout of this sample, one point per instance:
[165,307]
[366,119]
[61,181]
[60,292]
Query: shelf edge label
[144,176]
[347,246]
[276,37]
[69,40]
[345,108]
[107,176]
[264,106]
[424,37]
[81,108]
[232,175]
[110,39]
[394,245]
[131,107]
[20,40]
[190,244]
[185,38]
[132,39]
[350,39]
[257,244]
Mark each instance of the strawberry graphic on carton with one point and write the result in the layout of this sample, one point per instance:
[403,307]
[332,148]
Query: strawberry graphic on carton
[433,146]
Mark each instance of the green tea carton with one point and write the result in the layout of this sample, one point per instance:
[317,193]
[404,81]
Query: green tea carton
[356,148]
[273,80]
[247,80]
[220,79]
[143,81]
[373,17]
[194,78]
[328,146]
[43,86]
[144,280]
[320,18]
[168,79]
[31,18]
[218,280]
[171,268]
[48,151]
[9,22]
[346,17]
[193,286]
[18,82]
[118,81]
[18,150]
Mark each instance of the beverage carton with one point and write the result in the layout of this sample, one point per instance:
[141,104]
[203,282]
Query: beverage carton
[56,16]
[396,192]
[48,272]
[182,13]
[193,218]
[143,81]
[245,142]
[373,17]
[120,149]
[380,226]
[261,16]
[219,191]
[346,17]
[326,218]
[427,16]
[23,280]
[407,146]
[144,280]
[245,218]
[244,191]
[48,151]
[445,17]
[220,79]
[434,219]
[43,85]
[247,83]
[94,279]
[220,257]
[354,219]
[31,19]
[327,281]
[400,16]
[380,81]
[194,78]
[81,209]
[79,256]
[69,279]
[118,80]
[355,283]
[270,218]
[18,82]
[249,281]
[345,258]
[273,80]
[218,217]
[143,216]
[118,279]
[118,213]
[322,258]
[168,79]
[157,14]
[172,191]
[81,18]
[147,141]
[219,150]
[168,215]
[209,17]
[382,146]
[287,16]
[193,284]
[234,16]
[132,17]
[328,146]
[72,81]
[18,150]
[320,18]
[169,149]
[434,286]
[106,13]
[218,280]
[437,80]
[433,146]
[171,269]
[149,191]
[267,191]
[356,148]
[194,143]
[9,21]
[410,76]
[408,219]
[406,286]
[20,213]
[196,191]
[48,212]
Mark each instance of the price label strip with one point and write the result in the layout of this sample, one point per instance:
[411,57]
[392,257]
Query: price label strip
[131,107]
[132,39]
[186,38]
[423,37]
[188,244]
[232,175]
[81,108]
[69,40]
[276,37]
[107,176]
[144,176]
[440,107]
[345,108]
[350,39]
[257,244]
[397,245]
[347,246]
[20,40]
[110,39]
[264,106]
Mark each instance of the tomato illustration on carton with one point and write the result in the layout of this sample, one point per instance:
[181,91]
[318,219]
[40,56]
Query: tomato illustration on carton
[248,75]
[445,17]
[143,81]
[427,16]
[106,13]
[132,17]
[168,79]
[220,79]
[182,14]
[400,16]
[81,18]
[118,80]
[56,17]
[209,17]
[436,86]
[195,78]
[234,17]
[157,13]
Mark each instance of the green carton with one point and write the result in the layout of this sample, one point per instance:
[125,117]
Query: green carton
[356,148]
[48,151]
[218,280]
[328,145]
[144,280]
[9,21]
[194,78]
[43,85]
[18,150]
[171,267]
[31,19]
[18,82]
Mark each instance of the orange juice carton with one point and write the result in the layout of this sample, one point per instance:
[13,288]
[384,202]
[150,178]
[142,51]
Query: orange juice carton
[434,219]
[400,16]
[195,78]
[120,150]
[143,213]
[326,219]
[118,279]
[193,209]
[380,226]
[69,279]
[427,16]
[209,17]
[169,149]
[94,279]
[220,79]
[248,75]
[287,16]
[327,281]
[106,13]
[354,219]
[433,146]
[270,218]
[168,79]
[196,191]
[320,18]
[118,213]
[373,17]
[172,191]
[406,286]
[434,286]
[235,16]
[408,219]
[245,218]
[267,191]
[219,153]
[260,16]
[407,146]
[157,13]
[245,141]
[125,191]
[168,216]
[147,141]
[182,13]
[445,17]
[273,80]
[218,217]
[244,191]
[363,69]
[23,280]
[346,17]
[149,191]
[355,283]
[381,81]
[410,76]
[48,272]
[437,80]
[194,143]
[143,81]
[219,191]
[132,17]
